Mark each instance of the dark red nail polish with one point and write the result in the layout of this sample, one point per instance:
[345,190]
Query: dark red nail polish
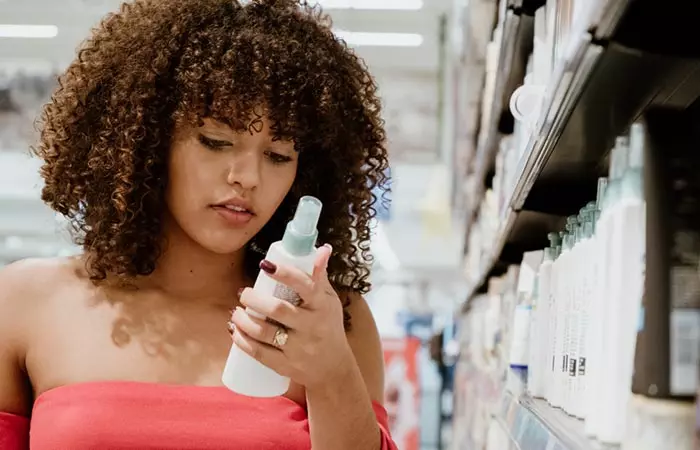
[268,266]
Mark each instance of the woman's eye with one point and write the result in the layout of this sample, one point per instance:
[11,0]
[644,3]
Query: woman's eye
[213,144]
[277,158]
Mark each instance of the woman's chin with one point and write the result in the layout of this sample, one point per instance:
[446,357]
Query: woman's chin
[218,242]
[224,246]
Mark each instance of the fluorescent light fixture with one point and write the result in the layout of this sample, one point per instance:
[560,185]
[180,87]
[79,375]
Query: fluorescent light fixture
[28,31]
[393,5]
[359,38]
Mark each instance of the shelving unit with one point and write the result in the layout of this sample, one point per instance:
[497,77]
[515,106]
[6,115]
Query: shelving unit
[532,424]
[515,46]
[593,96]
[616,72]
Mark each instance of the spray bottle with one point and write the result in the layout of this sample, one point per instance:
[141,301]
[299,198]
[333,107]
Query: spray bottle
[243,374]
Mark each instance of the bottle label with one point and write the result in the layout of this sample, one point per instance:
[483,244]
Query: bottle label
[285,293]
[582,366]
[565,363]
[685,353]
[572,367]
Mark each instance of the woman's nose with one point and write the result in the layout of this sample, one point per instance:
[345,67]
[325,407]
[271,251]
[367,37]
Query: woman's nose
[244,169]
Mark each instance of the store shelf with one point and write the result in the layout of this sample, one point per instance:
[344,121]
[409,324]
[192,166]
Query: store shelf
[520,231]
[595,95]
[532,424]
[516,44]
[596,98]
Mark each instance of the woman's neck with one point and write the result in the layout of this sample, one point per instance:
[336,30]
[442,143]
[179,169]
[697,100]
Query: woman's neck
[187,271]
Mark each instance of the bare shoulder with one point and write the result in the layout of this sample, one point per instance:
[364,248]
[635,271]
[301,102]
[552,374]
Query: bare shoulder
[24,286]
[28,278]
[29,284]
[366,345]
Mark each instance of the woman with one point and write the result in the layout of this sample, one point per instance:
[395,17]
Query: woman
[178,143]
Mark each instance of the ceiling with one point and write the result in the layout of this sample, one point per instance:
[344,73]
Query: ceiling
[407,76]
[75,17]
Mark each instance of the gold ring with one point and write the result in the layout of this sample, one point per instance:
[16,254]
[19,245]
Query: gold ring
[280,338]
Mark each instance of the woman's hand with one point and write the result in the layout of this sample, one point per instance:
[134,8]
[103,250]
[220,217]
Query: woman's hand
[317,348]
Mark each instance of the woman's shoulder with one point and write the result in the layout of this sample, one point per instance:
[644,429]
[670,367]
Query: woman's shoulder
[30,283]
[27,289]
[38,270]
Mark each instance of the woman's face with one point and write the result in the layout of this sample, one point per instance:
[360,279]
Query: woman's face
[224,186]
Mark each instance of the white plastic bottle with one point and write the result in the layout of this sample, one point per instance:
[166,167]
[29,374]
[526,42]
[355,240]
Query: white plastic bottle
[595,305]
[563,299]
[554,324]
[627,272]
[573,314]
[244,374]
[610,231]
[539,329]
[583,300]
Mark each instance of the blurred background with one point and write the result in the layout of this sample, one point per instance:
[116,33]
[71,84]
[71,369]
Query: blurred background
[502,116]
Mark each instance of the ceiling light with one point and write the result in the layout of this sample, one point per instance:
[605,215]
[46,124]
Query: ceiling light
[358,38]
[394,5]
[28,31]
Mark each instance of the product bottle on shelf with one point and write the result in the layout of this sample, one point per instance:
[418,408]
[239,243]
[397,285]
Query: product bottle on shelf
[595,305]
[539,328]
[572,313]
[563,300]
[626,288]
[552,307]
[615,288]
[520,343]
[586,218]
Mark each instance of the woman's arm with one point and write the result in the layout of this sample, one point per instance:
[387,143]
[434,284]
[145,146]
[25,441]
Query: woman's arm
[340,413]
[15,394]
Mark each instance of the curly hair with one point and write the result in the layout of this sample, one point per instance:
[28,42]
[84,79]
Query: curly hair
[106,132]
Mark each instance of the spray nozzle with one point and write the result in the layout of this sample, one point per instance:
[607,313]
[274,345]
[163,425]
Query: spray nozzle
[300,237]
[554,239]
[306,216]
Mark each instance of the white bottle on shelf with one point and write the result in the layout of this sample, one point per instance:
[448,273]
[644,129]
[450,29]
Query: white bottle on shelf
[526,286]
[595,306]
[610,230]
[243,374]
[539,329]
[552,345]
[571,321]
[627,284]
[583,300]
[563,301]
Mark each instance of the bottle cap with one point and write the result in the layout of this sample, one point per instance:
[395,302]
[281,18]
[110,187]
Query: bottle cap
[636,151]
[301,233]
[618,157]
[554,239]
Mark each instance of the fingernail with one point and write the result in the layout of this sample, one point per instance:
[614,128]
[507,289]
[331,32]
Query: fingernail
[329,247]
[240,291]
[268,267]
[231,327]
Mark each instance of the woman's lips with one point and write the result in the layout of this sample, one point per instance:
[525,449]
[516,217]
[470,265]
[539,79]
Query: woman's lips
[234,216]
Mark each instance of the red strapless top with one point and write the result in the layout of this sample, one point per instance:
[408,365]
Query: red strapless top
[132,415]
